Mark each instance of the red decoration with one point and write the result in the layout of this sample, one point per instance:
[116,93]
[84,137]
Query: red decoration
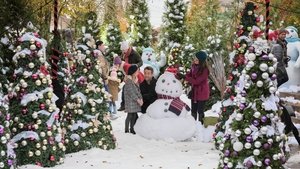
[232,97]
[24,111]
[49,127]
[34,76]
[56,116]
[52,158]
[44,70]
[42,106]
[38,44]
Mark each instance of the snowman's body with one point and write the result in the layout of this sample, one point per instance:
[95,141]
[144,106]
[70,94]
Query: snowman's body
[160,122]
[293,51]
[159,109]
[149,59]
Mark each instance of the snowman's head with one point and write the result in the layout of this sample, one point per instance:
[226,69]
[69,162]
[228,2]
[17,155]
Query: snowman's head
[293,32]
[148,55]
[168,85]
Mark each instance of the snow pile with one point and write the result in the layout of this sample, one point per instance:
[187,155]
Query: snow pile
[291,88]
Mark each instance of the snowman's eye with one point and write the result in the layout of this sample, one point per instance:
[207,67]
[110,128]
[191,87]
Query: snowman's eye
[174,81]
[163,81]
[292,30]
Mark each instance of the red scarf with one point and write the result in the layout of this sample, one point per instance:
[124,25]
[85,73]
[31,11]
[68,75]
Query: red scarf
[176,105]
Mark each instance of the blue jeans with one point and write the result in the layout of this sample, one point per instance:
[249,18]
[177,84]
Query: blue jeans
[112,107]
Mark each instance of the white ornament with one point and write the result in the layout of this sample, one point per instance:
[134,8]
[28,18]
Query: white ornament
[24,143]
[238,146]
[271,69]
[259,83]
[239,117]
[32,47]
[275,157]
[271,56]
[270,141]
[30,153]
[31,65]
[264,130]
[37,152]
[263,67]
[257,114]
[88,52]
[251,56]
[44,148]
[259,163]
[248,145]
[251,64]
[272,90]
[91,76]
[265,75]
[76,143]
[247,131]
[257,144]
[256,152]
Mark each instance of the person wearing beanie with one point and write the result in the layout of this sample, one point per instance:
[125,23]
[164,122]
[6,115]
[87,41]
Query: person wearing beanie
[279,50]
[133,98]
[198,79]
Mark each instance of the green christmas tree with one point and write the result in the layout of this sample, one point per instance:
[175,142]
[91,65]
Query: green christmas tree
[253,137]
[86,116]
[6,160]
[36,132]
[174,29]
[114,39]
[140,27]
[248,20]
[92,26]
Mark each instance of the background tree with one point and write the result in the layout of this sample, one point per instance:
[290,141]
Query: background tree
[174,29]
[139,24]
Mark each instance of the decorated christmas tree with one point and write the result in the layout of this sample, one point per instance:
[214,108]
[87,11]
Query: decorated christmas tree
[254,135]
[6,160]
[36,132]
[174,29]
[238,63]
[92,26]
[114,39]
[86,116]
[140,27]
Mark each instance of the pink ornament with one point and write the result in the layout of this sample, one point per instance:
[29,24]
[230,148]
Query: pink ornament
[34,76]
[42,106]
[38,44]
[52,158]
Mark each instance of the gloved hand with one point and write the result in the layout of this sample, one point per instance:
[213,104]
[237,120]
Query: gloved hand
[286,60]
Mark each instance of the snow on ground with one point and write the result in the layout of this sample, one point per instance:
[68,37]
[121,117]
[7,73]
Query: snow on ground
[135,152]
[291,88]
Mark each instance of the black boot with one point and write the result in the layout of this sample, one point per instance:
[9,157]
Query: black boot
[132,131]
[122,108]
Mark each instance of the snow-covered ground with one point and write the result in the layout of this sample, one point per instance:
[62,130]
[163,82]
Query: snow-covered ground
[136,152]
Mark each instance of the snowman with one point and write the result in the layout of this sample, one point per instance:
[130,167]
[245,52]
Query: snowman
[149,59]
[167,118]
[293,50]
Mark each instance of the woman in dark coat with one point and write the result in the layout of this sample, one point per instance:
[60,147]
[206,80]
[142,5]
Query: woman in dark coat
[198,78]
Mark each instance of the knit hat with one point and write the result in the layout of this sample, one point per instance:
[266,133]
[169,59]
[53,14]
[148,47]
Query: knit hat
[280,31]
[132,69]
[117,60]
[201,56]
[124,45]
[125,67]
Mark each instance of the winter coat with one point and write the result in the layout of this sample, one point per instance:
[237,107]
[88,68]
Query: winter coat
[148,93]
[279,50]
[132,57]
[131,94]
[199,83]
[113,88]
